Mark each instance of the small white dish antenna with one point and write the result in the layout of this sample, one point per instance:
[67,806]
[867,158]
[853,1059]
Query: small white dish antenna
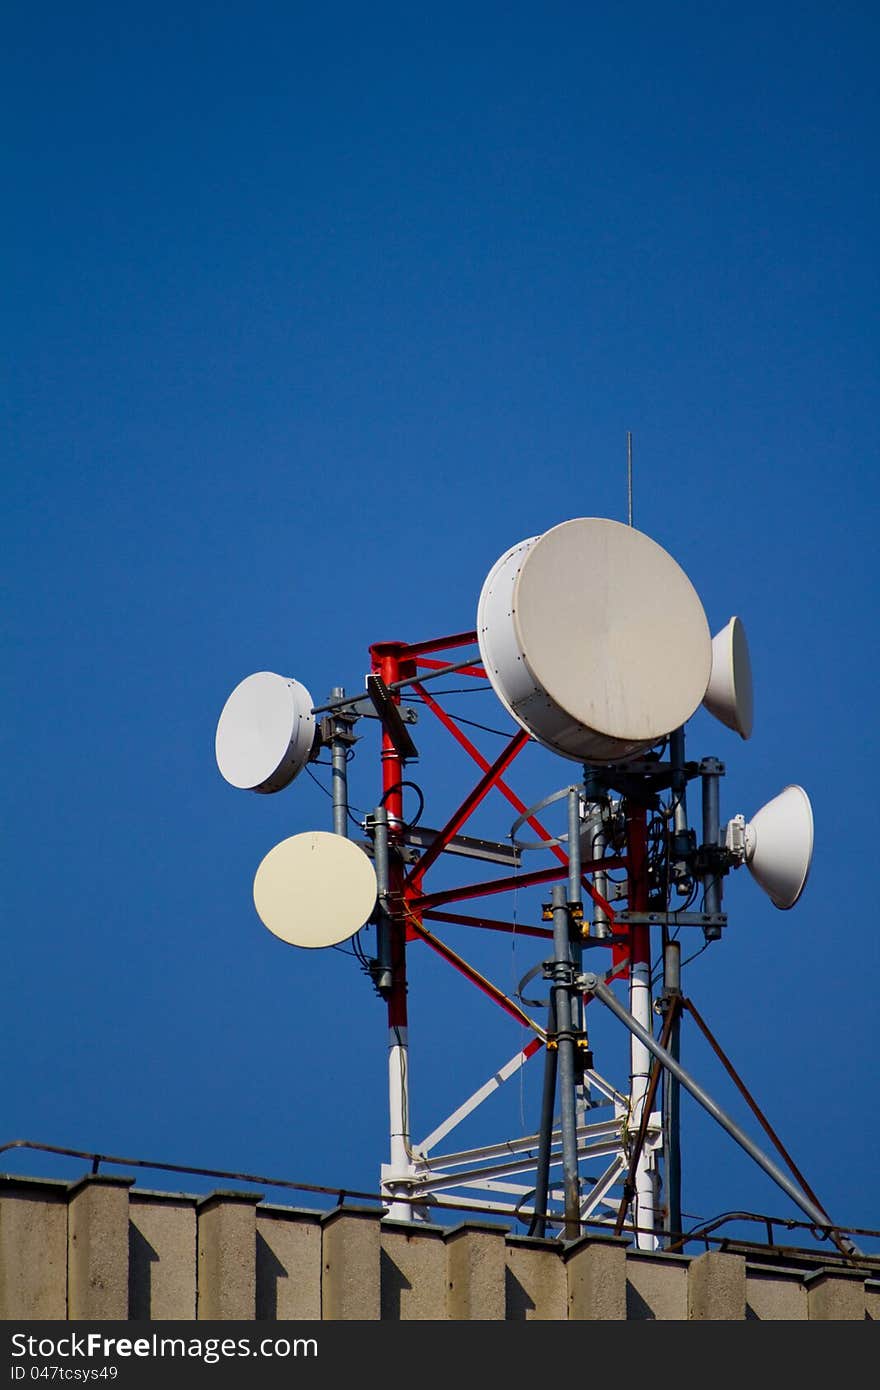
[776,845]
[265,732]
[594,639]
[729,696]
[315,889]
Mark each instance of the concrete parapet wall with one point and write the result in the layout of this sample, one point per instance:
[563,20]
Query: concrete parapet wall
[656,1286]
[33,1250]
[162,1257]
[351,1265]
[475,1264]
[596,1272]
[716,1288]
[100,1249]
[288,1264]
[413,1278]
[536,1282]
[97,1249]
[226,1274]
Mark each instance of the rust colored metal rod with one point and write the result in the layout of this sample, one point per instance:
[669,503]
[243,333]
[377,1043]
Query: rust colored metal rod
[629,1185]
[595,985]
[341,1193]
[752,1103]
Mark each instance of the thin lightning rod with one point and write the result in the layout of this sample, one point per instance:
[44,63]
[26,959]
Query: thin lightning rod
[629,477]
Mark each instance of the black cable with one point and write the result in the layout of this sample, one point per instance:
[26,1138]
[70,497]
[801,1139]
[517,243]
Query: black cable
[472,723]
[398,787]
[703,948]
[457,690]
[318,783]
[365,960]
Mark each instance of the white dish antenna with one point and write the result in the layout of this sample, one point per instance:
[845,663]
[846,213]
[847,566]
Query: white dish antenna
[729,696]
[776,845]
[315,889]
[594,639]
[265,732]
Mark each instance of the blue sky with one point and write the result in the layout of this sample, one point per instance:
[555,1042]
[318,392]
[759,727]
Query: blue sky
[308,317]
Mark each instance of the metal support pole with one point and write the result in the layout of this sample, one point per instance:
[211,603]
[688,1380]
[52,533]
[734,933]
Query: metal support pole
[594,798]
[545,1138]
[679,872]
[387,661]
[562,992]
[644,1214]
[671,1093]
[339,745]
[593,985]
[574,894]
[575,907]
[710,770]
[574,846]
[383,921]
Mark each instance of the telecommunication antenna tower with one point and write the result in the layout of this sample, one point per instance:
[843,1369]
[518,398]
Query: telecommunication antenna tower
[596,645]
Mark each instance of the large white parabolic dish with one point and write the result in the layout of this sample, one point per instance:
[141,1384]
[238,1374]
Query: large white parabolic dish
[594,639]
[315,889]
[265,732]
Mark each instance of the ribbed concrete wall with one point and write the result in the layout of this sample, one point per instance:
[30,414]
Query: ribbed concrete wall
[100,1249]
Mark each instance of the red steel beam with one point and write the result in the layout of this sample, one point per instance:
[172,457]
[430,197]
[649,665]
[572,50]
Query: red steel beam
[478,671]
[389,661]
[440,644]
[505,885]
[467,807]
[456,961]
[488,923]
[449,723]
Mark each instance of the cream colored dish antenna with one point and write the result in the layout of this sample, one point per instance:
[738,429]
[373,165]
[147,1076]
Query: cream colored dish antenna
[315,889]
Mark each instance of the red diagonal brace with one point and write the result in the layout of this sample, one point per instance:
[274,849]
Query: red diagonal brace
[449,723]
[505,885]
[462,966]
[441,644]
[478,671]
[487,923]
[467,807]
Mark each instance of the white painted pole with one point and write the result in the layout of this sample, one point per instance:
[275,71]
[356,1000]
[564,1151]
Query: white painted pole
[398,1101]
[640,1073]
[645,1201]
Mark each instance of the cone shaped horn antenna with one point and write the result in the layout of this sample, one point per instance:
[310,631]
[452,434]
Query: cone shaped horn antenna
[779,846]
[729,695]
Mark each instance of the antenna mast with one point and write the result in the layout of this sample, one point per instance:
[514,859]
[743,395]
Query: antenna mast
[617,709]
